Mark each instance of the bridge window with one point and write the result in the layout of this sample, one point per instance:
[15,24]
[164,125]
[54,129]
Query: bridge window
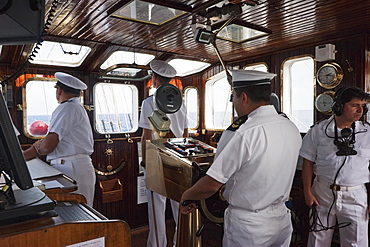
[126,63]
[240,34]
[39,102]
[186,67]
[61,54]
[298,91]
[147,12]
[218,112]
[259,66]
[192,105]
[116,108]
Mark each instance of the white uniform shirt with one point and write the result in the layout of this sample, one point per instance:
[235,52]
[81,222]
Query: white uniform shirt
[179,121]
[229,133]
[71,123]
[318,147]
[258,163]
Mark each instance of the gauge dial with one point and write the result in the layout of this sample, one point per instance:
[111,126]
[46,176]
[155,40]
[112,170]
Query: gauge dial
[324,102]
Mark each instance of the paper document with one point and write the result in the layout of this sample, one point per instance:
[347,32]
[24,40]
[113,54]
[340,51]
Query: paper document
[98,242]
[39,169]
[52,184]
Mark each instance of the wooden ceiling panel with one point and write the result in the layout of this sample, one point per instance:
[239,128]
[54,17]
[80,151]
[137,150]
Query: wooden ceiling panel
[291,23]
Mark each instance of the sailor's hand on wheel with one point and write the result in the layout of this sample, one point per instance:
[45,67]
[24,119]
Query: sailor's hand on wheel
[187,206]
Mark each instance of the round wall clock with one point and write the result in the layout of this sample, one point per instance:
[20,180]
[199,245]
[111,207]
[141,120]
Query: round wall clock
[324,102]
[329,75]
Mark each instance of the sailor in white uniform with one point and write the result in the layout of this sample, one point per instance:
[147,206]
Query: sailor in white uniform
[162,74]
[256,160]
[341,164]
[69,141]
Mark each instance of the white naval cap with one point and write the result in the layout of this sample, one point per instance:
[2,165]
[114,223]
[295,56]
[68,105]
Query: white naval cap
[246,78]
[70,81]
[163,69]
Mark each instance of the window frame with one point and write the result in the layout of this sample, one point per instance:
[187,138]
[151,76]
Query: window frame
[55,56]
[135,107]
[287,107]
[25,104]
[175,63]
[246,67]
[186,89]
[214,79]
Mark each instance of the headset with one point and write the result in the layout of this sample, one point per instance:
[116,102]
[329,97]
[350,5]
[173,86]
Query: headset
[338,104]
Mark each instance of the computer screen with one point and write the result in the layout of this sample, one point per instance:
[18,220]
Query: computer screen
[12,161]
[27,201]
[204,36]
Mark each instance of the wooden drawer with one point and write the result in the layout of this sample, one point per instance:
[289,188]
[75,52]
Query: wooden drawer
[110,190]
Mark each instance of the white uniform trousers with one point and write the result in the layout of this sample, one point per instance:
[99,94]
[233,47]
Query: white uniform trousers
[350,207]
[270,227]
[158,224]
[80,168]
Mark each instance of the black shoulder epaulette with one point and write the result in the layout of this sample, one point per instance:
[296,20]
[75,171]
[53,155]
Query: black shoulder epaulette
[283,114]
[235,125]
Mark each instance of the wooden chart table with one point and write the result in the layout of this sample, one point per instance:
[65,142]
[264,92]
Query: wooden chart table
[52,228]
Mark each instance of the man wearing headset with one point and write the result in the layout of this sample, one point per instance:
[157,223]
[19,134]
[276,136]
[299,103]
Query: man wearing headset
[337,151]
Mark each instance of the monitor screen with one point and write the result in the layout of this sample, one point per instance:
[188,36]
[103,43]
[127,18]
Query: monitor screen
[28,201]
[12,161]
[204,36]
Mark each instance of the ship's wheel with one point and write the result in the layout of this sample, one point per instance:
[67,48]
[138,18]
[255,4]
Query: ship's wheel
[213,208]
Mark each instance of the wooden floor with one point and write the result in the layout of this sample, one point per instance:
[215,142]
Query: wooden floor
[211,235]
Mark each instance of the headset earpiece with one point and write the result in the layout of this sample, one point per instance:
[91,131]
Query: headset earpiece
[337,108]
[365,110]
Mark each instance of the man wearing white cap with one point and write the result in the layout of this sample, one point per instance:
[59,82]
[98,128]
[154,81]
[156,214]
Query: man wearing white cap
[256,158]
[162,74]
[69,142]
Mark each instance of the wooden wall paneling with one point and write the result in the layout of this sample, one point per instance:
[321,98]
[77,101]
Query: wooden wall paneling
[348,49]
[352,50]
[367,65]
[126,209]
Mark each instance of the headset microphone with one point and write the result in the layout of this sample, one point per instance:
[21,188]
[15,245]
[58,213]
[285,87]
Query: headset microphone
[346,143]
